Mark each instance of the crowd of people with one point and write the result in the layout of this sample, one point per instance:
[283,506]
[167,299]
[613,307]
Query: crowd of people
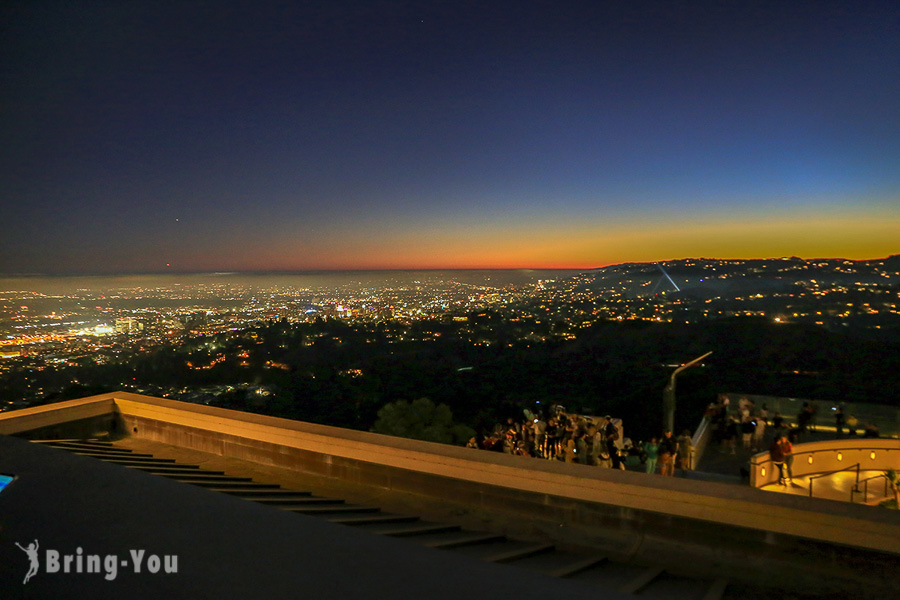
[596,441]
[749,424]
[600,441]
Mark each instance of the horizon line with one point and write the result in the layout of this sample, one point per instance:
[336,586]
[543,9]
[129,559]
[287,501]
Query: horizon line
[319,271]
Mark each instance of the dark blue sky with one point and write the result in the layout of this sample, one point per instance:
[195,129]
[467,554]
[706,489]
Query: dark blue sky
[307,135]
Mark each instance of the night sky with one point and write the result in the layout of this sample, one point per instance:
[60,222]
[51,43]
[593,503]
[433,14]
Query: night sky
[222,136]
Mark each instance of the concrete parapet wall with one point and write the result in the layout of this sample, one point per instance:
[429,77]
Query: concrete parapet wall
[391,462]
[85,416]
[813,458]
[633,507]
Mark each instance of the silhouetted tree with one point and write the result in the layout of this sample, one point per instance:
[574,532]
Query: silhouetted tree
[421,419]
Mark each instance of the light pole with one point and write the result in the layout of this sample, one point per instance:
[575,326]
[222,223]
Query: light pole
[669,394]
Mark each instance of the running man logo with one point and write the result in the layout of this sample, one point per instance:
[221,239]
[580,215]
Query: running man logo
[32,552]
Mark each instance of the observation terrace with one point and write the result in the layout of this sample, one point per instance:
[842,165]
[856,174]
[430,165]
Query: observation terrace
[737,540]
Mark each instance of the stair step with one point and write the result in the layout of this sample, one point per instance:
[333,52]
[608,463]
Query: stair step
[144,461]
[218,483]
[512,555]
[194,476]
[257,494]
[370,519]
[578,566]
[641,581]
[102,455]
[333,508]
[88,446]
[125,457]
[166,470]
[422,529]
[73,441]
[305,501]
[495,549]
[468,540]
[285,498]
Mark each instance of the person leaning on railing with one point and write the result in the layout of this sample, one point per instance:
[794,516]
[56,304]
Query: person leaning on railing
[787,449]
[776,454]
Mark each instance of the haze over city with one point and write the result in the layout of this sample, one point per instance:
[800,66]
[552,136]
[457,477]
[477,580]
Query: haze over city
[239,136]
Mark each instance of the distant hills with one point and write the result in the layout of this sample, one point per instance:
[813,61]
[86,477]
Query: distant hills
[709,277]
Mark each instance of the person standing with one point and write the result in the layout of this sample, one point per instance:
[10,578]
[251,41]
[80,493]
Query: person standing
[667,449]
[852,422]
[551,434]
[581,449]
[787,449]
[748,426]
[732,432]
[685,447]
[651,448]
[759,433]
[598,445]
[612,435]
[777,422]
[570,450]
[803,418]
[776,454]
[839,420]
[540,438]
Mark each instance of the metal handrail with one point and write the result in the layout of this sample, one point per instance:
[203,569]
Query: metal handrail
[699,442]
[814,477]
[865,491]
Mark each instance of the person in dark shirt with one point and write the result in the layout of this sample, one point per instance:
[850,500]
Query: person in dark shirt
[612,434]
[777,421]
[871,431]
[776,454]
[803,418]
[667,449]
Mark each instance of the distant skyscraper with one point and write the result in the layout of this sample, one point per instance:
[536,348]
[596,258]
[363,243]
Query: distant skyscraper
[128,325]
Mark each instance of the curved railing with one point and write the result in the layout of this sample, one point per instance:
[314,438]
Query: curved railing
[815,458]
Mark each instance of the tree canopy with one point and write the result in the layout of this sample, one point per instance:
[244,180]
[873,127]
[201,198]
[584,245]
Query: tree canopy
[421,419]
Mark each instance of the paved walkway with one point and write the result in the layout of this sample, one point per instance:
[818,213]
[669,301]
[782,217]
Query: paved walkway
[835,487]
[720,464]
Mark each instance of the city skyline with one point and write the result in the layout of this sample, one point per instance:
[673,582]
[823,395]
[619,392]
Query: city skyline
[201,137]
